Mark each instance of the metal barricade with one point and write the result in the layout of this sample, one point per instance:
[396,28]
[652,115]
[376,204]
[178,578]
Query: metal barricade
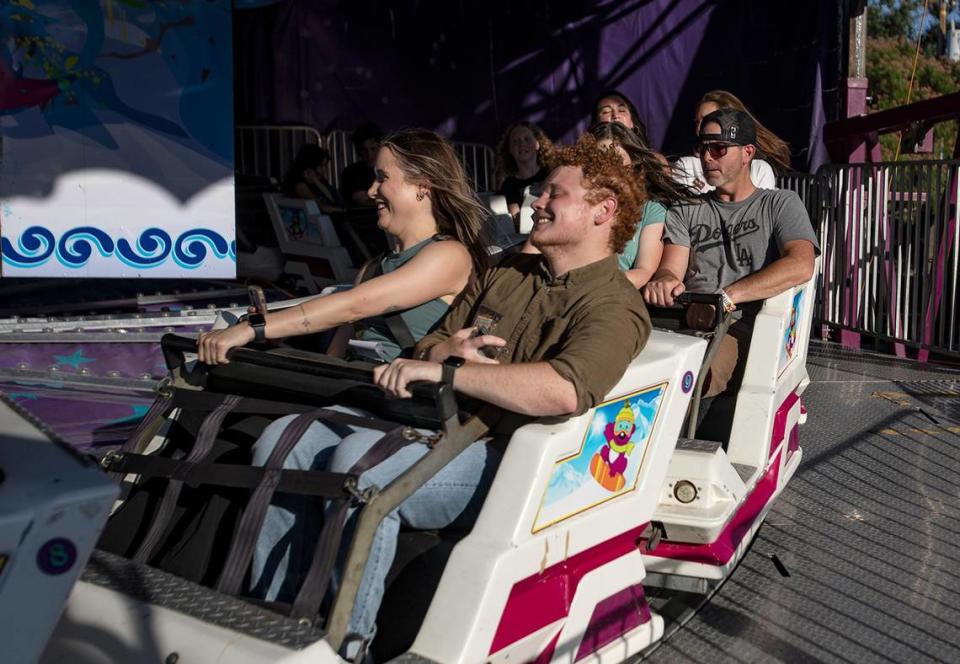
[890,250]
[268,151]
[478,160]
[342,154]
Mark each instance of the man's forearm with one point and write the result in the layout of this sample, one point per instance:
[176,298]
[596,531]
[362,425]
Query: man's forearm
[663,272]
[530,389]
[777,277]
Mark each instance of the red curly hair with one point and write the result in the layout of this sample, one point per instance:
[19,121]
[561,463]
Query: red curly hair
[604,176]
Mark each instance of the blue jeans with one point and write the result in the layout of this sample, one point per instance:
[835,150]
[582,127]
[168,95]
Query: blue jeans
[285,546]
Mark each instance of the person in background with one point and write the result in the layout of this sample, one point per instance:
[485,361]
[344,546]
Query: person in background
[358,176]
[519,162]
[771,149]
[304,179]
[641,254]
[740,242]
[614,106]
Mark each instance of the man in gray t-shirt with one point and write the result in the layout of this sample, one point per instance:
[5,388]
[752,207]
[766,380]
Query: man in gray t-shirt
[729,240]
[744,243]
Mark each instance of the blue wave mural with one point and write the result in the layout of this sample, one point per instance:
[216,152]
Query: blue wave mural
[153,248]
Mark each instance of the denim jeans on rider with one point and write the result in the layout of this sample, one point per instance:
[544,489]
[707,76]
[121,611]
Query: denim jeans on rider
[453,497]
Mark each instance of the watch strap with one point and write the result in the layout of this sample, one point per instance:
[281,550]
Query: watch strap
[259,325]
[447,372]
[449,368]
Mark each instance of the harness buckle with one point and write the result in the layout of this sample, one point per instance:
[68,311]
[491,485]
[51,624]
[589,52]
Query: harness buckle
[165,387]
[360,497]
[411,434]
[110,458]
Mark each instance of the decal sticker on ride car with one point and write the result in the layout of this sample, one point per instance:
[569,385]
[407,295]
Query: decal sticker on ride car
[790,332]
[609,460]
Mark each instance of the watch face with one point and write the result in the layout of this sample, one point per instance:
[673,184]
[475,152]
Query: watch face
[454,361]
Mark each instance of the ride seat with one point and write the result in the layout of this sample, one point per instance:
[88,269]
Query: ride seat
[410,586]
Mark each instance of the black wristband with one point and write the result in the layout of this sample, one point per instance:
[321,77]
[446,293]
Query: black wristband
[259,325]
[450,366]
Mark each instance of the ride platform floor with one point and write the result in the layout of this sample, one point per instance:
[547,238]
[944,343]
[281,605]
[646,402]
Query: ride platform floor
[868,529]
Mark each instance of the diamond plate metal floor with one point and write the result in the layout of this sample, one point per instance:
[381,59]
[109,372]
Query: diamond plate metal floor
[868,530]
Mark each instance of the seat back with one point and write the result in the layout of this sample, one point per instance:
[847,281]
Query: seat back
[775,373]
[526,212]
[310,245]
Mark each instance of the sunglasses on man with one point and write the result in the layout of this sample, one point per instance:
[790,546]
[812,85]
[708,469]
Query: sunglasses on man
[716,150]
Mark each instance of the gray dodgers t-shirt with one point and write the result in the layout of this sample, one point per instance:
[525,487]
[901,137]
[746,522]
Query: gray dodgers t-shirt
[729,241]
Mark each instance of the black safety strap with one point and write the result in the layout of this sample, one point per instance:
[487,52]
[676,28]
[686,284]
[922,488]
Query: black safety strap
[310,596]
[394,321]
[201,448]
[248,530]
[232,475]
[398,327]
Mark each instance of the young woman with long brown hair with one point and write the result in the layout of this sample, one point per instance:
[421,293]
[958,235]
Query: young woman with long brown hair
[424,200]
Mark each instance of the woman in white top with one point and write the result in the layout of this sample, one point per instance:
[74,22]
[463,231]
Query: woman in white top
[689,171]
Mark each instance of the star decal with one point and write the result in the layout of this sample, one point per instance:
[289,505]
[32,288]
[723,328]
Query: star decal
[74,360]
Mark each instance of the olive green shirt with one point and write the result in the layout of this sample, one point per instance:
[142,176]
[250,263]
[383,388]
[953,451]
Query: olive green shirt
[588,324]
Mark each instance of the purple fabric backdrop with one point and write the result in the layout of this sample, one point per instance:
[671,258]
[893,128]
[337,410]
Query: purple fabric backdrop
[469,69]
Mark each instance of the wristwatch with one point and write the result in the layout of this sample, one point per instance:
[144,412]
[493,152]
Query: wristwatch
[728,305]
[259,325]
[450,366]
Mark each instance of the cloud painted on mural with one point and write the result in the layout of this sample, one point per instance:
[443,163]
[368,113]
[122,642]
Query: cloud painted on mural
[75,72]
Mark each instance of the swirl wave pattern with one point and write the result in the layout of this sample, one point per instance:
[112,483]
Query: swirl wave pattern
[38,245]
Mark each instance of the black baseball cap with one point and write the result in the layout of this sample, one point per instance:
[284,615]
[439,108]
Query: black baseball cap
[736,127]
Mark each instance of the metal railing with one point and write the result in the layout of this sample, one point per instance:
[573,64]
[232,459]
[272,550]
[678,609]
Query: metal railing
[478,160]
[268,151]
[890,247]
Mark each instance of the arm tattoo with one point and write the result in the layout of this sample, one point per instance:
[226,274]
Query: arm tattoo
[305,322]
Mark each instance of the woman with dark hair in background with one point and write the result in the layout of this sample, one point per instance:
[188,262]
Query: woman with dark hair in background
[519,164]
[614,106]
[424,200]
[304,179]
[771,148]
[641,256]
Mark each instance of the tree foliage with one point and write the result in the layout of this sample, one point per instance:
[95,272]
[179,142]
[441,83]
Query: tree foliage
[890,64]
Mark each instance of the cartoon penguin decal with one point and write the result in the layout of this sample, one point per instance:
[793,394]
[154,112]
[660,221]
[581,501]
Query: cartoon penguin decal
[609,463]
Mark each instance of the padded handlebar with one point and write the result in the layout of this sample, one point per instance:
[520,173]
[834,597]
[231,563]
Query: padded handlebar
[700,298]
[704,298]
[175,347]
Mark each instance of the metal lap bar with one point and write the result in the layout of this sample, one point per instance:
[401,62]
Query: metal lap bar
[456,438]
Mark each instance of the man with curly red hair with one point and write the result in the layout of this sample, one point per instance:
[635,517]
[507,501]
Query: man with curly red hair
[566,322]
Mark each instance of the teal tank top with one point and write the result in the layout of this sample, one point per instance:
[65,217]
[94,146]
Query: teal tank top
[420,320]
